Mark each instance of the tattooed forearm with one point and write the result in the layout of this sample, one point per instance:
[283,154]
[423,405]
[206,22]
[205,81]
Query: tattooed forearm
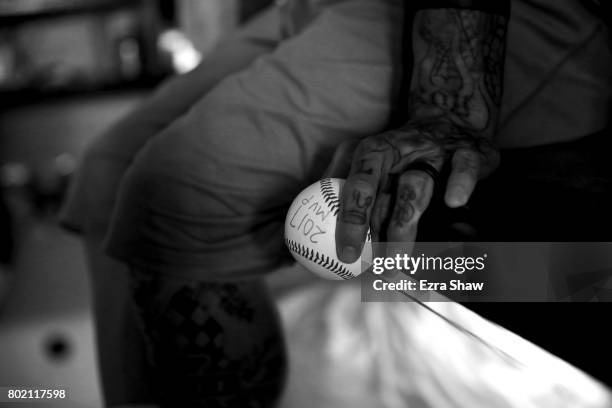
[210,344]
[458,67]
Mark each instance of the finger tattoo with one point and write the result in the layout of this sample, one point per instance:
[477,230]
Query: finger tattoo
[364,167]
[404,207]
[356,208]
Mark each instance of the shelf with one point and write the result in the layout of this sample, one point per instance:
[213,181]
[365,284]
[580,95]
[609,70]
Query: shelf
[17,98]
[23,10]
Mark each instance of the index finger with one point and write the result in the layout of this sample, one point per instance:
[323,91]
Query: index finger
[356,202]
[341,161]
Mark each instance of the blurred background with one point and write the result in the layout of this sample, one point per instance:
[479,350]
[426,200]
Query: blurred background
[68,70]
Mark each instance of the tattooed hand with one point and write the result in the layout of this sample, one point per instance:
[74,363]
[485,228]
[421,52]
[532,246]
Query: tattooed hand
[454,102]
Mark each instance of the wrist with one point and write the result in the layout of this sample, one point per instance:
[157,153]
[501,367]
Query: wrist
[448,135]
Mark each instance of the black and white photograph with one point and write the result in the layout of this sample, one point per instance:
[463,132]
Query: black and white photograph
[305,204]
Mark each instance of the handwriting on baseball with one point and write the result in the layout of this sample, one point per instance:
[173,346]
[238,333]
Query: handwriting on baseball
[309,218]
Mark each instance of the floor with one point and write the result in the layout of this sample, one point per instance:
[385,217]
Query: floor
[46,334]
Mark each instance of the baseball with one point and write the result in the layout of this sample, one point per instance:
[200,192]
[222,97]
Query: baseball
[310,230]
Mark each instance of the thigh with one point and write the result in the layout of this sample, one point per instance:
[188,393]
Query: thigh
[212,189]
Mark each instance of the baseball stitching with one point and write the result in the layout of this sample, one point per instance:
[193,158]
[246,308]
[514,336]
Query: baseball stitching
[320,259]
[329,195]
